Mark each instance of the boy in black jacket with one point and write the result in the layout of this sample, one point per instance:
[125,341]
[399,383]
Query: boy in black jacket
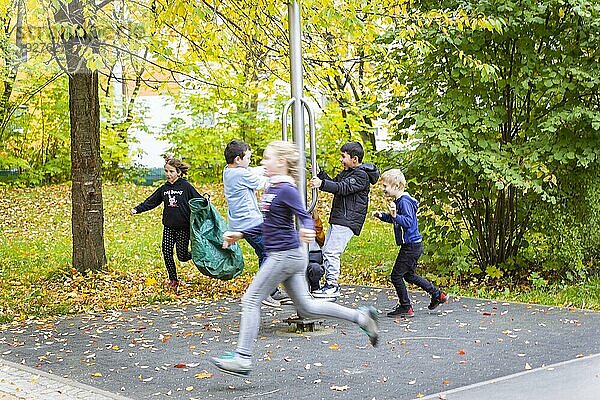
[350,190]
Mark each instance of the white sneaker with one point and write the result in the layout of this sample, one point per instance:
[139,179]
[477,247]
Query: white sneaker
[371,324]
[271,302]
[233,364]
[282,297]
[329,290]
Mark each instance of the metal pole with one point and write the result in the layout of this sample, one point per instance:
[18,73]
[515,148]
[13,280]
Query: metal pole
[297,87]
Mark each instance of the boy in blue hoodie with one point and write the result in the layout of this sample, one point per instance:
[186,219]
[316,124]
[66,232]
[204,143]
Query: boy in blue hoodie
[403,216]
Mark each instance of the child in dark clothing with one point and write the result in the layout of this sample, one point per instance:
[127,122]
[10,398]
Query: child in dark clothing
[350,189]
[403,216]
[175,194]
[315,269]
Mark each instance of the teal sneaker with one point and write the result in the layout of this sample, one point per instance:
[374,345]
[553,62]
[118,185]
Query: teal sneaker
[233,364]
[371,326]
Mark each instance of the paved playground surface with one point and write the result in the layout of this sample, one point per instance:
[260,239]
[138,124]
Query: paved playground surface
[467,347]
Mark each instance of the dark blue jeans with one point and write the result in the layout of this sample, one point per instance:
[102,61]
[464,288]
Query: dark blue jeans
[404,270]
[256,241]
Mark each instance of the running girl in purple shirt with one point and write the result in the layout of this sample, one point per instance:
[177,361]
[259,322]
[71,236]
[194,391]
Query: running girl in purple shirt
[286,260]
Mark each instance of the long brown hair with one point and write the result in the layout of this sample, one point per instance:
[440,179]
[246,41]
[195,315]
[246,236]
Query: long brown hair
[180,166]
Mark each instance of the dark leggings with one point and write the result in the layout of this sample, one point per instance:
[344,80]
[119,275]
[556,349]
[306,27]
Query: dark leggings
[180,239]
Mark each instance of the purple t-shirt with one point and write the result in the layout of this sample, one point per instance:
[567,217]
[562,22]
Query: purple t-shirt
[279,204]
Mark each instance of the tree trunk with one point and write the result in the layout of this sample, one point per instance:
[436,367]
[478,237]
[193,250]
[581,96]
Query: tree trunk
[87,213]
[9,80]
[87,218]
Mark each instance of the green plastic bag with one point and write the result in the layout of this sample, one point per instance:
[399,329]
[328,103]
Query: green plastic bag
[206,236]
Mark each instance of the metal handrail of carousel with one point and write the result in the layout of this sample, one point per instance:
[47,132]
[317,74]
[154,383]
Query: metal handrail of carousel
[298,104]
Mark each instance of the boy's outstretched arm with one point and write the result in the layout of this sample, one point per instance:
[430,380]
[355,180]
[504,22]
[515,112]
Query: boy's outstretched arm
[383,216]
[322,174]
[315,183]
[404,217]
[356,183]
[257,178]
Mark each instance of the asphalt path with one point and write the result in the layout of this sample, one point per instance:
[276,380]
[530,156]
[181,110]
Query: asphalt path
[161,352]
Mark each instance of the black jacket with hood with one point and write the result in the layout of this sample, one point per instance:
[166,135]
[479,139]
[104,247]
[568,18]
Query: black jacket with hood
[350,190]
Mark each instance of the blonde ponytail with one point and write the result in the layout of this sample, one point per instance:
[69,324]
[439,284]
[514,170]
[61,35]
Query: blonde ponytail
[290,153]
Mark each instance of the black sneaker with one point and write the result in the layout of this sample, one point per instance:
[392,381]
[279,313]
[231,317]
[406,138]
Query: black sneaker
[401,311]
[436,301]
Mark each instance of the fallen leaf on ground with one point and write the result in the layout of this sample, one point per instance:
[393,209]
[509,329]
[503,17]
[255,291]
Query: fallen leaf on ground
[203,375]
[339,388]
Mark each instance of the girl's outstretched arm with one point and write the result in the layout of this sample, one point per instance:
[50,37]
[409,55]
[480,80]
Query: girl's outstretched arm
[306,235]
[230,237]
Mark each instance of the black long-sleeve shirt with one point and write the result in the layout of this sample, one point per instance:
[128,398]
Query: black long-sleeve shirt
[175,197]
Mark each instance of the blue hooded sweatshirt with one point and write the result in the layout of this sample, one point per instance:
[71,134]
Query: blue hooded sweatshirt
[406,227]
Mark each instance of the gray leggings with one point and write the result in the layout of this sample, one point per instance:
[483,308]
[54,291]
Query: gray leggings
[287,267]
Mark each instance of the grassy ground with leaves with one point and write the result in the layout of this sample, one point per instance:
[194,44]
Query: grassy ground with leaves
[36,278]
